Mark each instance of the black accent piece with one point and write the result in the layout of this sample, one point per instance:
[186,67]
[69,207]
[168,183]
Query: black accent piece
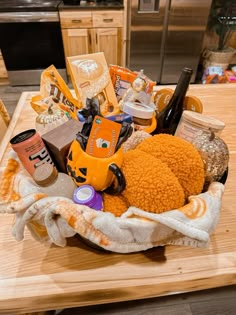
[70,156]
[121,183]
[224,176]
[83,170]
[79,179]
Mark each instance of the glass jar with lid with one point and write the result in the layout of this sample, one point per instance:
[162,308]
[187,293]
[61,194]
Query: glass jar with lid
[192,122]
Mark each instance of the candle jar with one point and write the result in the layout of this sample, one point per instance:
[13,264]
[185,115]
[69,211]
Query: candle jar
[191,123]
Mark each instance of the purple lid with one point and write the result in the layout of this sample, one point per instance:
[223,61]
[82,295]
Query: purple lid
[98,205]
[86,195]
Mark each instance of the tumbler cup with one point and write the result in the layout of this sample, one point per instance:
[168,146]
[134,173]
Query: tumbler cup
[30,149]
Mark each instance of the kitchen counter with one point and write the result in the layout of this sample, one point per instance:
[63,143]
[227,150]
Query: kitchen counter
[92,5]
[36,277]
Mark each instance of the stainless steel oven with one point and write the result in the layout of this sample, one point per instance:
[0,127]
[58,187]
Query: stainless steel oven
[30,39]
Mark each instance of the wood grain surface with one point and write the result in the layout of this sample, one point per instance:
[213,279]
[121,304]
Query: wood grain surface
[35,277]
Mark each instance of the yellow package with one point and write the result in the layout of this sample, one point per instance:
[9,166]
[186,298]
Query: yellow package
[53,88]
[91,79]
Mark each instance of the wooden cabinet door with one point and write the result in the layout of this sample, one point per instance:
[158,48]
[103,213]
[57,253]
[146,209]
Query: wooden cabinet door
[76,42]
[108,40]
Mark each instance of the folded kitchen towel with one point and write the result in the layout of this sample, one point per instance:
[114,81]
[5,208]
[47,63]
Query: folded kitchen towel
[54,219]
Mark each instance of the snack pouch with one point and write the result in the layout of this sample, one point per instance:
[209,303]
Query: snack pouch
[53,89]
[122,78]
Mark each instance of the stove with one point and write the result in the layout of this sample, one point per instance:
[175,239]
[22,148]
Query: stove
[28,5]
[31,40]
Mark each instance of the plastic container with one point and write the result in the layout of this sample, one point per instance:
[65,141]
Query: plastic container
[52,182]
[192,122]
[142,114]
[86,195]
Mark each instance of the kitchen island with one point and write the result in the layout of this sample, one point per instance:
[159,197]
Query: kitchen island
[36,277]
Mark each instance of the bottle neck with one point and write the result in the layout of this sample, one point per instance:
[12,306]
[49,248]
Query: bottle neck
[183,83]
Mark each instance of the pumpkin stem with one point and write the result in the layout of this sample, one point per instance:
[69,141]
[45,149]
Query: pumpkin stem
[212,136]
[50,111]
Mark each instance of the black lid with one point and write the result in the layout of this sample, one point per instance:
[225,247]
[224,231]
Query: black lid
[23,136]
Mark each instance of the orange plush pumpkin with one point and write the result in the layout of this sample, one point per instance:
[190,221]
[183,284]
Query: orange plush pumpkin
[161,172]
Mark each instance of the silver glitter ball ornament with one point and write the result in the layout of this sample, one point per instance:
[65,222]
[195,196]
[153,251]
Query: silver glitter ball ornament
[215,154]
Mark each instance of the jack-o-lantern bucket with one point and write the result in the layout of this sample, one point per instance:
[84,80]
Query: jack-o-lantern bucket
[101,173]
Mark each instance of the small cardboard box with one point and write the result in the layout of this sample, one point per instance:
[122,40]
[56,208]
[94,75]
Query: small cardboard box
[58,141]
[91,78]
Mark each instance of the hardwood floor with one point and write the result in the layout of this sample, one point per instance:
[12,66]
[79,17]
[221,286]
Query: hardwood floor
[219,301]
[10,95]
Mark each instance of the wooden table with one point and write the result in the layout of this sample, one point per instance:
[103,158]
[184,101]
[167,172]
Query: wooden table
[36,277]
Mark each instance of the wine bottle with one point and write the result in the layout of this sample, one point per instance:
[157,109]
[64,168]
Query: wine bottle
[169,117]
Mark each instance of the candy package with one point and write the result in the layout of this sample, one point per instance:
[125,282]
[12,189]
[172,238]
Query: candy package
[230,76]
[122,79]
[90,78]
[53,90]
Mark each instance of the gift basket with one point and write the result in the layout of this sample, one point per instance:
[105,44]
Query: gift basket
[123,167]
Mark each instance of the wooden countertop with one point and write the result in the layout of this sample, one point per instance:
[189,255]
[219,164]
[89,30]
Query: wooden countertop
[36,277]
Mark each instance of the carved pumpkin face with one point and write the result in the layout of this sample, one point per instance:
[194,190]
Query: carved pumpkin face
[88,170]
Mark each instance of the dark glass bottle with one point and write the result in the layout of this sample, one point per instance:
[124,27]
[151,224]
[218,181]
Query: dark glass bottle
[170,116]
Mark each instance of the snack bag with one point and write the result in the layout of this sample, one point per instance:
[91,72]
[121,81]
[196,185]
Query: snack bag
[213,74]
[53,89]
[91,79]
[122,79]
[230,76]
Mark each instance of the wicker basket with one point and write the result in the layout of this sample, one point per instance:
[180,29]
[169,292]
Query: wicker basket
[218,58]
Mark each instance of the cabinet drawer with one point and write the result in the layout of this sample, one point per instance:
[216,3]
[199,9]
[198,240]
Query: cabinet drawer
[108,19]
[75,19]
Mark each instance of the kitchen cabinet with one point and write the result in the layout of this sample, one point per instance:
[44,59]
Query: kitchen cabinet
[86,32]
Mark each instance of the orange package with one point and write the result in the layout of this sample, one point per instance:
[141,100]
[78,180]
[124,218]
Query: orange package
[230,76]
[103,137]
[53,89]
[122,78]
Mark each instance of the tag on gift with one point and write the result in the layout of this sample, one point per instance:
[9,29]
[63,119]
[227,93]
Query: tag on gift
[103,137]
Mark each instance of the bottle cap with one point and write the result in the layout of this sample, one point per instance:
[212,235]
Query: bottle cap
[45,174]
[86,195]
[203,120]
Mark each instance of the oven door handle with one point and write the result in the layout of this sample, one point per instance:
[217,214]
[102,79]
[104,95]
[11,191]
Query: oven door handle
[28,17]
